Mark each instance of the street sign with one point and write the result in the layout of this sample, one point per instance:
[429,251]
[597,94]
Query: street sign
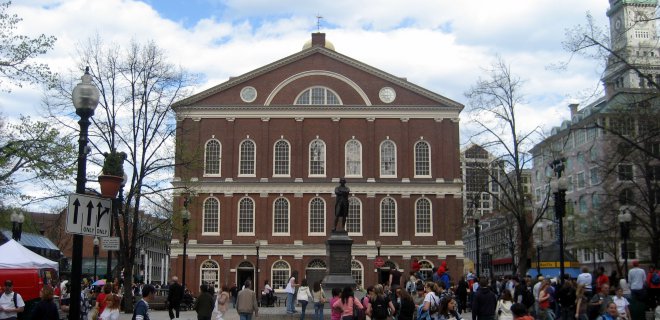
[110,243]
[88,215]
[379,262]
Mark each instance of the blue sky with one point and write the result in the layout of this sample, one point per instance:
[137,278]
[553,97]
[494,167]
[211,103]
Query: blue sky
[441,45]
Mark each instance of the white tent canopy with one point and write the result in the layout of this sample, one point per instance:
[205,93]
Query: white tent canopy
[13,255]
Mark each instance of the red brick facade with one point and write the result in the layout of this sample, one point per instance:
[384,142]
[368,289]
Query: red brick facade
[219,114]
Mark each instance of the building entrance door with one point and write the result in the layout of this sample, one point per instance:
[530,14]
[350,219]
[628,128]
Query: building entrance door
[245,271]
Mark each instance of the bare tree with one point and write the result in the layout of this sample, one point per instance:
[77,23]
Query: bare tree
[138,87]
[493,103]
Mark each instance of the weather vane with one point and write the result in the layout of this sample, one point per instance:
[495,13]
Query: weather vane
[318,22]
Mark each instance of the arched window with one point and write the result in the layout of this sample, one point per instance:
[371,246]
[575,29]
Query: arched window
[211,221]
[248,155]
[354,219]
[246,216]
[281,217]
[317,158]
[353,150]
[426,268]
[388,216]
[317,217]
[388,159]
[212,157]
[281,159]
[210,271]
[280,273]
[357,271]
[422,159]
[423,217]
[318,96]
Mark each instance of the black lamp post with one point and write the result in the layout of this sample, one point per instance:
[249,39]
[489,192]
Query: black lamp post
[257,243]
[378,247]
[143,264]
[17,220]
[490,264]
[116,204]
[85,99]
[559,187]
[185,218]
[96,254]
[476,241]
[624,222]
[538,258]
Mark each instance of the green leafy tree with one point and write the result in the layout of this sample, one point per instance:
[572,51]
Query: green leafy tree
[18,51]
[34,153]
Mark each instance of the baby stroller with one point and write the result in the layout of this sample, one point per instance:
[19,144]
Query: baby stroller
[268,300]
[188,301]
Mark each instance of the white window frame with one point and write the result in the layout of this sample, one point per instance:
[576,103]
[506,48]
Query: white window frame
[254,159]
[381,163]
[428,162]
[203,268]
[323,160]
[288,160]
[238,220]
[577,180]
[346,159]
[204,213]
[206,150]
[309,217]
[288,217]
[380,210]
[359,271]
[351,201]
[273,268]
[417,213]
[325,97]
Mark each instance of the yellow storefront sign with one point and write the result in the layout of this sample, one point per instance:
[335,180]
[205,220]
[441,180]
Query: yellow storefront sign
[551,264]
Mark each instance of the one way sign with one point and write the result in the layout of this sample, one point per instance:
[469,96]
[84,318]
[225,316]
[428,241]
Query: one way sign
[88,215]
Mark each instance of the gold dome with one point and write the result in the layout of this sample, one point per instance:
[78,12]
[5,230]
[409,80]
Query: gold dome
[328,45]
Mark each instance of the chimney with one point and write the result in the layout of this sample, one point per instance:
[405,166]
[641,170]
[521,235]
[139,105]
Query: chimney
[573,107]
[318,39]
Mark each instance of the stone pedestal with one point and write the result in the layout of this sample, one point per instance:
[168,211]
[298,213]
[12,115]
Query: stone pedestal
[338,250]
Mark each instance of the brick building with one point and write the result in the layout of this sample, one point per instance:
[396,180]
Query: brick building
[260,155]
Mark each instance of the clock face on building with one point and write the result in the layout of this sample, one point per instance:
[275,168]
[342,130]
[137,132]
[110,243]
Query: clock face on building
[248,94]
[387,94]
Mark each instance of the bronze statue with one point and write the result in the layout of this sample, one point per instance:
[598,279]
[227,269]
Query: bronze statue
[341,205]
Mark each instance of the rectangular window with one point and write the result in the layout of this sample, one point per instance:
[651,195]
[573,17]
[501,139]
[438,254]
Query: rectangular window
[655,148]
[654,173]
[593,176]
[625,172]
[580,136]
[586,254]
[631,252]
[581,183]
[571,185]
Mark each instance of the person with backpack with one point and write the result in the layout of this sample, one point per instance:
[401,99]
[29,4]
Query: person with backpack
[431,300]
[653,284]
[11,303]
[380,305]
[406,306]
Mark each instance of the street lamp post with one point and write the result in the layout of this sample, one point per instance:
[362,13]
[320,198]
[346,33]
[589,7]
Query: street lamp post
[96,254]
[559,187]
[257,243]
[624,222]
[85,99]
[17,220]
[378,247]
[476,239]
[185,218]
[490,264]
[538,258]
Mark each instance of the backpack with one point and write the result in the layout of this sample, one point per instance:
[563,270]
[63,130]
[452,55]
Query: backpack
[379,308]
[655,278]
[528,298]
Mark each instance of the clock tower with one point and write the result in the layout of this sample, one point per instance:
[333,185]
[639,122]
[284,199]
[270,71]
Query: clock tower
[634,42]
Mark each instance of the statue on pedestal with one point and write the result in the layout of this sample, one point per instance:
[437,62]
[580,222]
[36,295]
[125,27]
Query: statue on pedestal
[341,205]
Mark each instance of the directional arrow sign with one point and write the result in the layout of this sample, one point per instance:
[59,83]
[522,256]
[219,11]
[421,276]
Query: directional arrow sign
[88,215]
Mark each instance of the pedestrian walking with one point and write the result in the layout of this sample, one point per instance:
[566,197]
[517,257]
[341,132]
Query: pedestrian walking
[304,296]
[290,290]
[484,303]
[319,300]
[46,309]
[222,302]
[345,304]
[174,298]
[141,311]
[246,302]
[204,303]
